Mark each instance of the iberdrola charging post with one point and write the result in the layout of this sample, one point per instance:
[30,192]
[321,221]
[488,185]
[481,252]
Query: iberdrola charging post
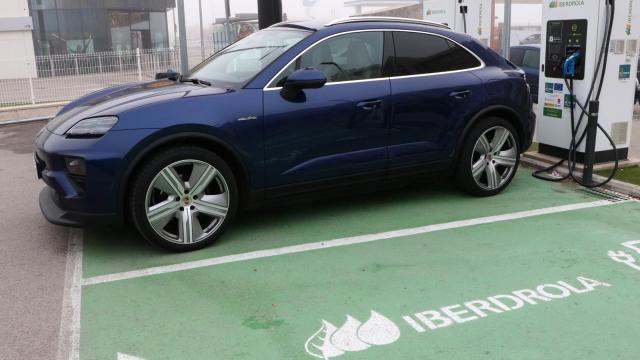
[472,17]
[589,57]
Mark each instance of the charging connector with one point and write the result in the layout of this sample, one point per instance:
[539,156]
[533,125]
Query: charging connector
[569,66]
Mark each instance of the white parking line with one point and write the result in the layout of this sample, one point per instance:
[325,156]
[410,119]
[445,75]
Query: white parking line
[69,336]
[337,243]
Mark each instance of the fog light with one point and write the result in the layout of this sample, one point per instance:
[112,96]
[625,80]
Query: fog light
[76,166]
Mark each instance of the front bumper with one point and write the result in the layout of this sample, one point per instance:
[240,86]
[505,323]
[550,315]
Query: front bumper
[95,197]
[52,211]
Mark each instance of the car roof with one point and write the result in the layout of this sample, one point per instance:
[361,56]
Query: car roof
[316,25]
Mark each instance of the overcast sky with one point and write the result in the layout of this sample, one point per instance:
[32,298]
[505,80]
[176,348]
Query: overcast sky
[323,10]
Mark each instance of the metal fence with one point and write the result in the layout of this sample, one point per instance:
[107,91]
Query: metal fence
[58,78]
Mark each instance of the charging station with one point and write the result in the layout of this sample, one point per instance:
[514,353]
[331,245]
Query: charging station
[471,17]
[575,34]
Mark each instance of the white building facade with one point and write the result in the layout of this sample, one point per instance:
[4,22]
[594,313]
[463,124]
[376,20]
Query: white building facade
[17,58]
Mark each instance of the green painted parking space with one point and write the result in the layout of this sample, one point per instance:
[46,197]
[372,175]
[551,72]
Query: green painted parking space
[112,252]
[537,287]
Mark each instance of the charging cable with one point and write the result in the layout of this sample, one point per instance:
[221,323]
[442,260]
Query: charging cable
[463,11]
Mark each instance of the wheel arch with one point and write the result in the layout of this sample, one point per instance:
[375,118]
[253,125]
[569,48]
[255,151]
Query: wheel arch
[183,137]
[501,111]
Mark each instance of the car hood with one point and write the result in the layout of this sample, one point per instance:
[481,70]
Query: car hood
[118,99]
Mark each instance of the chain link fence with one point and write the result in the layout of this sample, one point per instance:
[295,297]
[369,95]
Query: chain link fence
[59,78]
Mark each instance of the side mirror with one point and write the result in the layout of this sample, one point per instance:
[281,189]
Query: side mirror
[307,78]
[169,74]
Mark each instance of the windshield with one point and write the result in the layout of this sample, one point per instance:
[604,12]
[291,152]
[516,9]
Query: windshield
[236,65]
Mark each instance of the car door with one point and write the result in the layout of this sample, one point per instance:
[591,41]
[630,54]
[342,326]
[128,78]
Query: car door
[432,93]
[339,129]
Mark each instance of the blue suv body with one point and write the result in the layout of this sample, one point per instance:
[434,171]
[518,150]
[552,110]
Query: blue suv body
[294,107]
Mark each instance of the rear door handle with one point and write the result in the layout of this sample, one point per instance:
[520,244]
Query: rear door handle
[370,105]
[462,94]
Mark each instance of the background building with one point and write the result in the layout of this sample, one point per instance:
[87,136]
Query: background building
[30,28]
[17,55]
[88,26]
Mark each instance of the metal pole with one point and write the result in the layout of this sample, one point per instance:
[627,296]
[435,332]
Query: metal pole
[506,29]
[175,28]
[53,67]
[227,24]
[182,28]
[201,31]
[139,64]
[590,146]
[31,91]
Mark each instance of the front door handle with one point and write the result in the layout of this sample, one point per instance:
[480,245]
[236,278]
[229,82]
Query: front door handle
[370,105]
[462,94]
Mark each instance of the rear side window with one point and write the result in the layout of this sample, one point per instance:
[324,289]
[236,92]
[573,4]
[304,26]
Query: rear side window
[418,54]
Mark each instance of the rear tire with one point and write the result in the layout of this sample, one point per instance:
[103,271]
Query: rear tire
[183,198]
[490,157]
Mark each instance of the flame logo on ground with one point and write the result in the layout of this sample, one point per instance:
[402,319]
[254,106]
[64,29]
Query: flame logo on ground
[330,342]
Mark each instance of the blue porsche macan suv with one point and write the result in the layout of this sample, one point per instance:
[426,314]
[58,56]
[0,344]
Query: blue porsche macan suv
[292,108]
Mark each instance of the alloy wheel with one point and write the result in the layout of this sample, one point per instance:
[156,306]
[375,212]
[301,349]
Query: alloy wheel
[187,201]
[494,158]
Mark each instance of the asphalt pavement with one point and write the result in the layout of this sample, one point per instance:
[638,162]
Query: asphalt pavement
[32,255]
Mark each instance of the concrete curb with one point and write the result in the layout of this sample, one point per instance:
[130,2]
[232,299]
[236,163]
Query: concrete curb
[614,185]
[25,114]
[25,121]
[34,106]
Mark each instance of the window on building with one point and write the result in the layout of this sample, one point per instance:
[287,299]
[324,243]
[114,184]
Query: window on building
[120,24]
[43,4]
[158,30]
[418,54]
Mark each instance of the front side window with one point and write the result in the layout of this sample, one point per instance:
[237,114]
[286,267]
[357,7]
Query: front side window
[236,65]
[347,57]
[418,54]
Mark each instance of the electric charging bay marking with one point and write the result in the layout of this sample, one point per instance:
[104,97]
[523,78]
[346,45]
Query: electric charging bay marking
[626,258]
[353,336]
[394,324]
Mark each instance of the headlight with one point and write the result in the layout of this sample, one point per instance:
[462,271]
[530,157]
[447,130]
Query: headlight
[92,127]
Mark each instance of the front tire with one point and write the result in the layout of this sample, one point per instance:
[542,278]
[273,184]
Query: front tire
[490,157]
[183,198]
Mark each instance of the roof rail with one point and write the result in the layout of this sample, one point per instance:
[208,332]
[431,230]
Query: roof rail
[387,19]
[294,24]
